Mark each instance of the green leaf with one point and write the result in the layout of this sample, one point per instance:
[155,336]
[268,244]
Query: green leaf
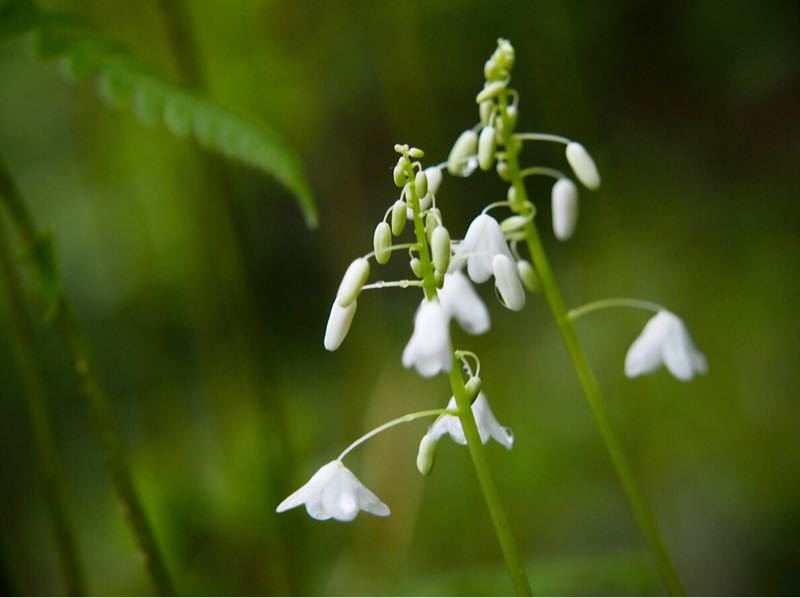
[123,81]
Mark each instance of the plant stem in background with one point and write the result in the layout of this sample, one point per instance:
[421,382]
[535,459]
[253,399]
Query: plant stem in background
[50,467]
[639,504]
[41,260]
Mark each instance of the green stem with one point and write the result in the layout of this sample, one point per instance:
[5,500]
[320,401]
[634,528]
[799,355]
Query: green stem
[77,346]
[477,451]
[578,312]
[639,504]
[51,470]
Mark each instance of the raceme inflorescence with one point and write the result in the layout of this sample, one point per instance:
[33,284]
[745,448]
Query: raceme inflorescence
[445,269]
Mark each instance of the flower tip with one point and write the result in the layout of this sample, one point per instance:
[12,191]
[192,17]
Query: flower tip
[583,165]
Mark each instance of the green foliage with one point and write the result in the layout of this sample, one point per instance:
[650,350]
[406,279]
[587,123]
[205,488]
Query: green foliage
[123,81]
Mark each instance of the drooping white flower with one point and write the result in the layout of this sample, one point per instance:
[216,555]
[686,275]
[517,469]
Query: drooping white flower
[460,301]
[582,165]
[338,326]
[565,208]
[334,493]
[488,426]
[507,282]
[483,241]
[666,340]
[428,349]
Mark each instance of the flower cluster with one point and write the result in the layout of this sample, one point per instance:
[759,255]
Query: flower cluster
[445,269]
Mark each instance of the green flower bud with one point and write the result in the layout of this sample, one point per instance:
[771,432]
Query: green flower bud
[512,195]
[440,248]
[421,184]
[465,146]
[485,110]
[491,90]
[502,171]
[486,146]
[438,277]
[380,241]
[416,267]
[354,278]
[399,175]
[416,153]
[398,217]
[473,387]
[426,456]
[513,223]
[528,276]
[431,222]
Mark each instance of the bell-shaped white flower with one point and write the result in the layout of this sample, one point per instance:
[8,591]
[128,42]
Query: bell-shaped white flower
[582,165]
[483,241]
[428,349]
[488,426]
[565,208]
[507,283]
[460,301]
[335,493]
[338,325]
[666,340]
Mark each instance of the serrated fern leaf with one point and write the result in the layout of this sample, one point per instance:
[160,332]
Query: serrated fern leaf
[123,81]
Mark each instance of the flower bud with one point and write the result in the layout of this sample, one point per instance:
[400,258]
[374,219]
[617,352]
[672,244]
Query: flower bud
[438,278]
[582,165]
[416,153]
[399,175]
[502,171]
[485,110]
[440,248]
[431,222]
[426,455]
[513,223]
[338,326]
[507,283]
[399,217]
[511,114]
[465,146]
[528,275]
[416,267]
[434,176]
[565,208]
[421,184]
[380,241]
[490,90]
[354,278]
[489,68]
[486,146]
[473,387]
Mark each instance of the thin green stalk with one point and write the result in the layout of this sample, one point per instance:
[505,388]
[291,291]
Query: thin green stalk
[42,262]
[50,467]
[505,537]
[639,504]
[581,311]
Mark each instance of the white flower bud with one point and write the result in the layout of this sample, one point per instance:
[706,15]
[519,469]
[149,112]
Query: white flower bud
[354,278]
[399,217]
[338,326]
[440,247]
[490,90]
[582,165]
[507,283]
[426,454]
[473,387]
[431,222]
[485,110]
[380,241]
[486,146]
[416,267]
[416,153]
[434,176]
[399,172]
[565,208]
[465,146]
[421,184]
[528,275]
[513,223]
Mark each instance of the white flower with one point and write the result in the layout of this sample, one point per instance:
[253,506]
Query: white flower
[483,241]
[565,208]
[334,493]
[665,340]
[582,165]
[460,301]
[488,426]
[507,283]
[338,325]
[429,350]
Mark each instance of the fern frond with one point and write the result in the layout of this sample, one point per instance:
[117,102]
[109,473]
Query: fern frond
[123,81]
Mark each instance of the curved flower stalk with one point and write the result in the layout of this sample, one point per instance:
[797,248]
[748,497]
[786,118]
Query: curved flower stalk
[435,261]
[664,340]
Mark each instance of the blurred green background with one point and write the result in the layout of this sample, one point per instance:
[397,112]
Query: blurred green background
[207,322]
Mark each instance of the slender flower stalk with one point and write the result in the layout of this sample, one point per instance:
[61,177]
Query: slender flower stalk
[50,466]
[39,253]
[638,502]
